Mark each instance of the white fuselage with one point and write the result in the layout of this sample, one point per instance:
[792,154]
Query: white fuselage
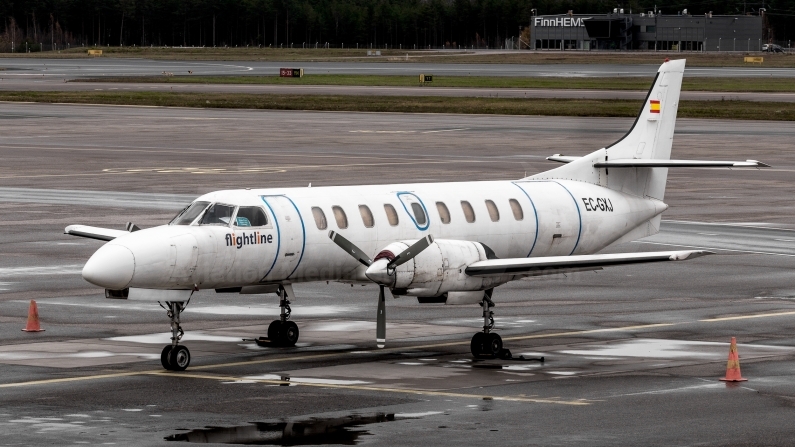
[532,218]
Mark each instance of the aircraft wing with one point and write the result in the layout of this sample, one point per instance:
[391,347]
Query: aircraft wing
[103,234]
[551,265]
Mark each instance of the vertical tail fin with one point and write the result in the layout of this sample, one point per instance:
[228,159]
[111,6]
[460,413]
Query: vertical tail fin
[650,137]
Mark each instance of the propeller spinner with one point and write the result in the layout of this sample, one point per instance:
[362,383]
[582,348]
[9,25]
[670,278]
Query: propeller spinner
[381,272]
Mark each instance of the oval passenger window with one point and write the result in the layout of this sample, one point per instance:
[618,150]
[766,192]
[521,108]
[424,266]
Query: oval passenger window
[367,216]
[444,213]
[320,218]
[516,207]
[419,213]
[494,213]
[469,213]
[340,217]
[391,214]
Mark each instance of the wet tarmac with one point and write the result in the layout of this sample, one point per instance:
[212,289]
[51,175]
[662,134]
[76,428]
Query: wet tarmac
[631,355]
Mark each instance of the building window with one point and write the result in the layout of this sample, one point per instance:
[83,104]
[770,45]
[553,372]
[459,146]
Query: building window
[391,214]
[320,218]
[469,213]
[516,207]
[367,216]
[444,213]
[419,213]
[340,217]
[494,213]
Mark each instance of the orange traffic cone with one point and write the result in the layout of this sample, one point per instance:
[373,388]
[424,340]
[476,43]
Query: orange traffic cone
[733,365]
[33,319]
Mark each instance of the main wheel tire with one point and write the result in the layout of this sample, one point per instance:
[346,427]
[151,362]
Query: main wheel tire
[493,345]
[179,358]
[477,345]
[165,357]
[274,331]
[289,334]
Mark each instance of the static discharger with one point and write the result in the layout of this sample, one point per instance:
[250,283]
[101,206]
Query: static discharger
[33,318]
[733,365]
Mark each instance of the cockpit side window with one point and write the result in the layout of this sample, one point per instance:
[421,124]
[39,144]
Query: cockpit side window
[190,213]
[218,214]
[250,216]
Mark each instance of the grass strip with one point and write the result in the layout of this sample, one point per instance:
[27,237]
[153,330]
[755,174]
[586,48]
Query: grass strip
[694,59]
[741,110]
[758,85]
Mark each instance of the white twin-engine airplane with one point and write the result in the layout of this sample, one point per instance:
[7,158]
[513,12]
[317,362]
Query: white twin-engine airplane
[440,242]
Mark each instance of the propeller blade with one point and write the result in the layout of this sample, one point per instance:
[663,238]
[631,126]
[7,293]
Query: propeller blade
[380,328]
[409,253]
[351,249]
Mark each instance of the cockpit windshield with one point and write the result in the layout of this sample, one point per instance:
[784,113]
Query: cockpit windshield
[218,214]
[190,213]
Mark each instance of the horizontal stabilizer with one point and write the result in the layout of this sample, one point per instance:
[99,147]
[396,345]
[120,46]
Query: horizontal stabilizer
[562,158]
[103,234]
[652,163]
[551,265]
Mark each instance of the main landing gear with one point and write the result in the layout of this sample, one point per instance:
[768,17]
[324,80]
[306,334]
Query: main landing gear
[488,344]
[175,357]
[282,332]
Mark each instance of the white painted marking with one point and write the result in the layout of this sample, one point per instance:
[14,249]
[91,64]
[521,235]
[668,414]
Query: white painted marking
[165,338]
[417,415]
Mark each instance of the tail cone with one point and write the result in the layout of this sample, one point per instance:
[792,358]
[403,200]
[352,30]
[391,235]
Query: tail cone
[733,365]
[33,319]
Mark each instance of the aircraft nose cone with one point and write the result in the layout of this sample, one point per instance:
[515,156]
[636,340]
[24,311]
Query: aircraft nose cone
[111,267]
[377,272]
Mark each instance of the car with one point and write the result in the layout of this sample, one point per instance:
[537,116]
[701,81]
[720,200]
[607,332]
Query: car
[772,48]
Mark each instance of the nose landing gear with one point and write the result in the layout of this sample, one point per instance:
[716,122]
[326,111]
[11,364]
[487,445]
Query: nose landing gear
[175,357]
[282,332]
[488,344]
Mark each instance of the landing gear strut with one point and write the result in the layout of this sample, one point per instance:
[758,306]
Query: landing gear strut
[488,344]
[175,357]
[283,332]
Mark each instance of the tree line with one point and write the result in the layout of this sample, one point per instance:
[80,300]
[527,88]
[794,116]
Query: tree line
[55,24]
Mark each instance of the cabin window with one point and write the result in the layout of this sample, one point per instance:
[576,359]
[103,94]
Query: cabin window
[391,214]
[419,213]
[444,213]
[340,217]
[320,218]
[250,216]
[367,216]
[190,213]
[516,207]
[494,213]
[469,213]
[218,214]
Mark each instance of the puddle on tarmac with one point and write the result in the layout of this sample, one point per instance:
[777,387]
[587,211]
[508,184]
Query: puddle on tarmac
[343,430]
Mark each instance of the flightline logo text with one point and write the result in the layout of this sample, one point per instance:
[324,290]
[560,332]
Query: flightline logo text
[242,239]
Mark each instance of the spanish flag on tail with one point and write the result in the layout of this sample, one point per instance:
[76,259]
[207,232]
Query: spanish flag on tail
[654,106]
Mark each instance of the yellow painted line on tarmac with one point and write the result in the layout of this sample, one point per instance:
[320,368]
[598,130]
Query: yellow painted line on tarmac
[376,388]
[71,379]
[745,317]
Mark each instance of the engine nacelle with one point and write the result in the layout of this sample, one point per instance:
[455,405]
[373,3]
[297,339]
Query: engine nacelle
[439,268]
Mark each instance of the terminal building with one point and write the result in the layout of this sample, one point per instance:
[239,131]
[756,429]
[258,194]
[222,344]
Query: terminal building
[647,31]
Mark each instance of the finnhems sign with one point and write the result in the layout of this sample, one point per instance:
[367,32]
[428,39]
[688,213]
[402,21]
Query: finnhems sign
[560,21]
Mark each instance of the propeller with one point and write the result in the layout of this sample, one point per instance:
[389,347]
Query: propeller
[381,272]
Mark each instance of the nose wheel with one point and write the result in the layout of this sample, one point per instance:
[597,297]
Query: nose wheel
[488,344]
[175,357]
[281,332]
